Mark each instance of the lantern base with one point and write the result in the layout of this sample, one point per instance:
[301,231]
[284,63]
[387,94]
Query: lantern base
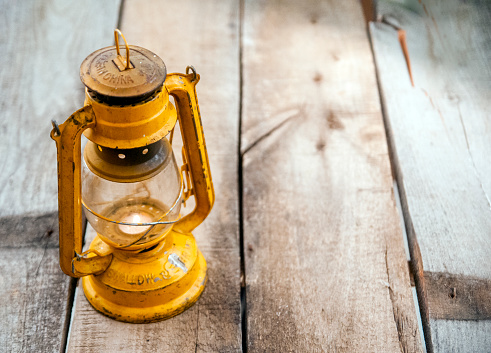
[149,285]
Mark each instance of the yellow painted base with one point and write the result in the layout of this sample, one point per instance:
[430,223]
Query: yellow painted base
[150,285]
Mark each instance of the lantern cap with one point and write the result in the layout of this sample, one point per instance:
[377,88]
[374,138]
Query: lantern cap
[135,74]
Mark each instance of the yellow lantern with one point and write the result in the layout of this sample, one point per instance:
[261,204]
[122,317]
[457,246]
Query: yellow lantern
[143,265]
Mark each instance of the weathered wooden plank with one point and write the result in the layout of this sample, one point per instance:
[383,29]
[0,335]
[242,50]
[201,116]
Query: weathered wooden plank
[42,43]
[439,133]
[460,336]
[211,325]
[34,291]
[457,297]
[325,262]
[205,35]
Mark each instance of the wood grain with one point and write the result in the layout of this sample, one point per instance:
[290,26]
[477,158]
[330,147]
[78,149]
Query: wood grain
[439,133]
[43,44]
[205,35]
[325,262]
[34,292]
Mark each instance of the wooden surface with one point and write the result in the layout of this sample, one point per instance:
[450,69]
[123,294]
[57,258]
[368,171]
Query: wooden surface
[33,290]
[439,133]
[304,244]
[325,263]
[42,45]
[205,35]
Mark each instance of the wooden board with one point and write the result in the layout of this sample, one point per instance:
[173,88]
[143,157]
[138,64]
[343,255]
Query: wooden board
[439,133]
[43,44]
[35,293]
[205,35]
[325,262]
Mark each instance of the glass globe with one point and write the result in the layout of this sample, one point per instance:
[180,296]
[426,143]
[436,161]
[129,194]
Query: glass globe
[131,197]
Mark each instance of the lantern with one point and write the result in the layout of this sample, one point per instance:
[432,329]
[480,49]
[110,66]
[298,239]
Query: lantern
[144,264]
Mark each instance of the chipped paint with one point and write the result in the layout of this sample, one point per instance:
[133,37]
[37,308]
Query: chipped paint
[176,261]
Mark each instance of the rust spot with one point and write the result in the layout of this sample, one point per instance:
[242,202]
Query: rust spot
[250,247]
[401,34]
[313,19]
[335,57]
[333,122]
[317,78]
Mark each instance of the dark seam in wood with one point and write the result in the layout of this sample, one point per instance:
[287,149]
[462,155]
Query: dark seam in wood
[68,315]
[72,286]
[417,270]
[47,235]
[411,274]
[472,159]
[197,328]
[24,316]
[42,257]
[268,133]
[392,301]
[416,260]
[243,298]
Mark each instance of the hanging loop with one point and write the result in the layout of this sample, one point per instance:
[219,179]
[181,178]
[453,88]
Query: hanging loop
[56,128]
[118,33]
[191,67]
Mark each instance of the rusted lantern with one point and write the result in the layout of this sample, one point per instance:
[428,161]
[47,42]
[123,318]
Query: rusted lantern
[144,264]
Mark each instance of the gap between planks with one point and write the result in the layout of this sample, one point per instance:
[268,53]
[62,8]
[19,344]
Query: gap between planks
[240,189]
[456,301]
[281,224]
[415,264]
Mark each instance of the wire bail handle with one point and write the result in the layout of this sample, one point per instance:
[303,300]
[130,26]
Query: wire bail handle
[118,33]
[191,67]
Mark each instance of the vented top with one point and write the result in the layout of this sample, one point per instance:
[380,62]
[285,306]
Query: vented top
[136,73]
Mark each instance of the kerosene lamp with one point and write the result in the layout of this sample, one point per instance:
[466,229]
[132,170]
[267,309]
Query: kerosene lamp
[144,264]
